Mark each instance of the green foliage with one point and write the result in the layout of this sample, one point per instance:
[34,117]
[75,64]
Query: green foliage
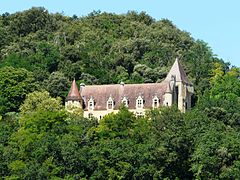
[31,20]
[200,70]
[214,129]
[222,102]
[44,142]
[216,154]
[101,47]
[15,84]
[8,125]
[121,148]
[214,147]
[227,86]
[36,140]
[57,85]
[42,51]
[116,126]
[40,101]
[169,131]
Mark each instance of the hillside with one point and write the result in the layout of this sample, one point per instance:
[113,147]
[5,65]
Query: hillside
[40,54]
[100,48]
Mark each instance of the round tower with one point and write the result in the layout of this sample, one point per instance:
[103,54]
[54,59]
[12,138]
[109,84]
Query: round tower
[74,99]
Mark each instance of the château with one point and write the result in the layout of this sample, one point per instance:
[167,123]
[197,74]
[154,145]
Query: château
[100,100]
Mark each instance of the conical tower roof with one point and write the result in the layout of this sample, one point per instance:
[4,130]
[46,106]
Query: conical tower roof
[73,93]
[179,73]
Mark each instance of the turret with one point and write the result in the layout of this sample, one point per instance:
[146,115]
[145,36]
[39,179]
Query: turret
[74,99]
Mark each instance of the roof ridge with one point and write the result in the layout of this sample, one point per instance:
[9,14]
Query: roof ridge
[124,84]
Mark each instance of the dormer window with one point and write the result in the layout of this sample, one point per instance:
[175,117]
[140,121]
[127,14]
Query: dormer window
[139,102]
[91,104]
[155,102]
[110,103]
[125,101]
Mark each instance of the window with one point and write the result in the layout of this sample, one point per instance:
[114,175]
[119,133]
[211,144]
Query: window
[139,102]
[176,89]
[139,114]
[90,115]
[110,103]
[125,101]
[91,104]
[155,103]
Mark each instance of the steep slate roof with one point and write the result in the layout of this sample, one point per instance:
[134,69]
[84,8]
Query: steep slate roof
[73,93]
[178,71]
[101,93]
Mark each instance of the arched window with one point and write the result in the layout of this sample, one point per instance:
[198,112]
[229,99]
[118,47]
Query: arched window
[155,102]
[91,104]
[125,101]
[110,103]
[139,102]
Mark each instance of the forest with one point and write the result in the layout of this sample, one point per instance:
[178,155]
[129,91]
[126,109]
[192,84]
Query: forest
[42,52]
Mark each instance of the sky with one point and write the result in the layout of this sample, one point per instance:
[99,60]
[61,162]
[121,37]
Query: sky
[214,21]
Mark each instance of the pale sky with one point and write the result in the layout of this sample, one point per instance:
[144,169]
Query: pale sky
[213,21]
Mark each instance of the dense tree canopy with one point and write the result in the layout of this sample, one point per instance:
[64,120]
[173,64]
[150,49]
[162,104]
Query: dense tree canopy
[101,47]
[15,84]
[40,53]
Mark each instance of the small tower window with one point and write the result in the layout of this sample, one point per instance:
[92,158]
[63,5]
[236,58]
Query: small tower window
[155,102]
[139,102]
[91,104]
[125,101]
[110,103]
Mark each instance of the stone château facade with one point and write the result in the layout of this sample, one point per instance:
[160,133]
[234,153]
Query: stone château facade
[99,100]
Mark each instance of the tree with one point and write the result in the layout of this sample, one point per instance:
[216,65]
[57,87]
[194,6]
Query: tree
[49,143]
[15,84]
[213,128]
[121,148]
[31,21]
[33,149]
[216,153]
[57,85]
[8,125]
[222,101]
[171,142]
[119,125]
[37,101]
[45,142]
[74,147]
